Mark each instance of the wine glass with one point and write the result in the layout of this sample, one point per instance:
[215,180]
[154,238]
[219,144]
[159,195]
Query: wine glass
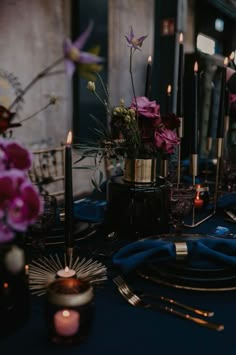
[181,204]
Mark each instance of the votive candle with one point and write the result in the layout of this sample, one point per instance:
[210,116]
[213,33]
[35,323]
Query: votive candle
[66,322]
[65,273]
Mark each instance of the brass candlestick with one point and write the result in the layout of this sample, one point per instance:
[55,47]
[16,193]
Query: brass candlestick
[194,224]
[164,168]
[180,135]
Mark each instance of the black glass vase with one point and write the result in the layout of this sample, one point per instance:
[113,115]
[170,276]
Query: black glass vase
[14,291]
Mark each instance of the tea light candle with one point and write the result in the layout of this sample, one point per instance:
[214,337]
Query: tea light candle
[198,202]
[65,273]
[69,309]
[66,322]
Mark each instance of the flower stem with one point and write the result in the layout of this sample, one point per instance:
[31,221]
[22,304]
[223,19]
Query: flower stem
[132,80]
[36,113]
[35,79]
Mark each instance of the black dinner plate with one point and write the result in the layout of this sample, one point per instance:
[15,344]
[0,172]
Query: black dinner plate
[181,275]
[55,235]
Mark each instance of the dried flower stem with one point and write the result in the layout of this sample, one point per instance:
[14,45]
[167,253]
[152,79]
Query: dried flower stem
[35,79]
[37,112]
[132,80]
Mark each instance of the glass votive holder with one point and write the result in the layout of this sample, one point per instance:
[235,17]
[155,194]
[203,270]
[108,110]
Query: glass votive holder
[202,196]
[69,310]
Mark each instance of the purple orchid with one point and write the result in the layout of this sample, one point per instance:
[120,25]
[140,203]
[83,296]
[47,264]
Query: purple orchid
[135,43]
[20,203]
[14,156]
[24,209]
[73,53]
[6,234]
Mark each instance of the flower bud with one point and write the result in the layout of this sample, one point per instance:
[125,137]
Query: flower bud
[91,86]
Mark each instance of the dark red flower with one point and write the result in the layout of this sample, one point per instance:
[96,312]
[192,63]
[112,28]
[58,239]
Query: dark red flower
[171,121]
[5,119]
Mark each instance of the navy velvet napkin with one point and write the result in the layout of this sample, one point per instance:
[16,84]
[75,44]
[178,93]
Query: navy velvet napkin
[205,252]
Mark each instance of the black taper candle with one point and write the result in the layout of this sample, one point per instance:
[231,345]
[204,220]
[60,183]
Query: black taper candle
[210,118]
[194,145]
[168,99]
[180,77]
[148,84]
[69,238]
[221,113]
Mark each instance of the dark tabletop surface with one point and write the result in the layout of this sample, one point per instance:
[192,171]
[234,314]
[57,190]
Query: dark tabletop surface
[119,328]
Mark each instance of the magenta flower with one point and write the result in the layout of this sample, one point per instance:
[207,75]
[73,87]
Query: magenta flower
[146,108]
[14,156]
[166,139]
[24,209]
[73,53]
[171,121]
[20,202]
[6,234]
[135,43]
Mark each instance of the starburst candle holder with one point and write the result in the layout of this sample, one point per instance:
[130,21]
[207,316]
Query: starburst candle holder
[45,270]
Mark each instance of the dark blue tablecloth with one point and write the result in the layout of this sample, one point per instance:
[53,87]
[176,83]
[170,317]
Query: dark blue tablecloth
[121,329]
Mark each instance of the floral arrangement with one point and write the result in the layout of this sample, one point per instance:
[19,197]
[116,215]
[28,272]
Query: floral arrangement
[72,55]
[20,202]
[136,131]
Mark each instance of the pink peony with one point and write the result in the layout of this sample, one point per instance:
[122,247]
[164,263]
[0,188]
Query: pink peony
[166,139]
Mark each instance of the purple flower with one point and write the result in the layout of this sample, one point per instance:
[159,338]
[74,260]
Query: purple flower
[5,119]
[20,202]
[147,108]
[171,121]
[14,155]
[166,139]
[73,53]
[135,43]
[6,234]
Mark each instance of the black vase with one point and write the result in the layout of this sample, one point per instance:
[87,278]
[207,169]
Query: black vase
[14,291]
[137,211]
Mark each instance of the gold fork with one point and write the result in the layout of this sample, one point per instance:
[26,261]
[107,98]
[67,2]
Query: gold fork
[135,301]
[119,281]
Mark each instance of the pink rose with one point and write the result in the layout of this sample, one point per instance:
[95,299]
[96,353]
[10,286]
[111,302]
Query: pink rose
[146,108]
[166,139]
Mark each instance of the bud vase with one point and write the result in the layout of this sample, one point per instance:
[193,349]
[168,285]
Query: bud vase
[14,292]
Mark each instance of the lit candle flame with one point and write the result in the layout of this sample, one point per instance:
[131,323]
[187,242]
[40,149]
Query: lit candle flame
[69,138]
[66,269]
[169,89]
[231,56]
[226,61]
[5,285]
[195,67]
[26,269]
[181,37]
[65,314]
[149,59]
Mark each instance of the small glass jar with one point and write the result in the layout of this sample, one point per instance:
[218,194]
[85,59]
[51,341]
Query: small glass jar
[69,310]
